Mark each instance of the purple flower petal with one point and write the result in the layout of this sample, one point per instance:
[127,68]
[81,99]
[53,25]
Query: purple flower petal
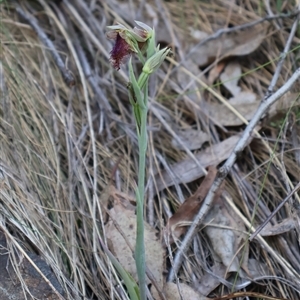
[120,52]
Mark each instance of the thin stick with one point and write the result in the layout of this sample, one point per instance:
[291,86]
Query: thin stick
[66,73]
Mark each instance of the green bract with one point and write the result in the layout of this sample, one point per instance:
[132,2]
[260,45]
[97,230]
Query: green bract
[154,62]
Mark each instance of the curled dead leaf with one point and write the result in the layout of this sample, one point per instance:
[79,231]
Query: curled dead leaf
[176,225]
[230,77]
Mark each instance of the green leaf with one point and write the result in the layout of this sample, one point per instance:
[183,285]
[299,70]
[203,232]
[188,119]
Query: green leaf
[137,94]
[151,45]
[131,285]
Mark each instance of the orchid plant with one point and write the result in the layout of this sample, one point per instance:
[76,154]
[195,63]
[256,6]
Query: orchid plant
[139,41]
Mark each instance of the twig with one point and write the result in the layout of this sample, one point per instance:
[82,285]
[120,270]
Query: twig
[66,73]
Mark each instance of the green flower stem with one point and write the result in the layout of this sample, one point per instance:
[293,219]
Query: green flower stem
[143,80]
[141,42]
[141,57]
[140,245]
[138,96]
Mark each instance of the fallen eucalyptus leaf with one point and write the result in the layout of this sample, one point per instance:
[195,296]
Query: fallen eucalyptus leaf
[285,226]
[230,77]
[185,214]
[226,117]
[226,232]
[192,138]
[234,43]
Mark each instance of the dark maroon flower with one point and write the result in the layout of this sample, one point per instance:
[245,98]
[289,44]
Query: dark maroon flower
[120,52]
[127,42]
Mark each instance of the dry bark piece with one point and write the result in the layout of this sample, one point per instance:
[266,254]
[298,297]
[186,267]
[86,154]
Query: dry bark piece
[176,225]
[10,285]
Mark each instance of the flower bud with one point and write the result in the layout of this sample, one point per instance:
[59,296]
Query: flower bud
[154,62]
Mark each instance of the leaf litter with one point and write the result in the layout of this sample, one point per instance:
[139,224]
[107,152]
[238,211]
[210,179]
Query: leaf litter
[185,214]
[238,43]
[192,138]
[227,234]
[186,170]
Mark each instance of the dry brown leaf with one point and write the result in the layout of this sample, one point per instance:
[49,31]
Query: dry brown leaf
[234,43]
[215,72]
[244,97]
[230,77]
[226,232]
[285,226]
[258,268]
[284,103]
[184,79]
[192,138]
[187,170]
[198,34]
[176,225]
[246,105]
[126,222]
[171,292]
[226,117]
[210,281]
